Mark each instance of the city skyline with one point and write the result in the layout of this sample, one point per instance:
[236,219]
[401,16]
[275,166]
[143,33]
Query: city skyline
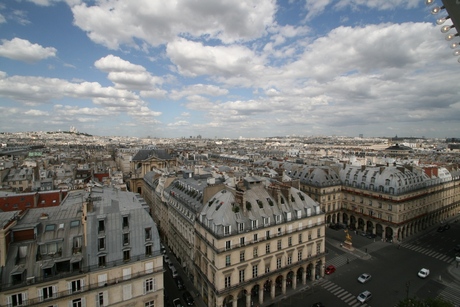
[224,69]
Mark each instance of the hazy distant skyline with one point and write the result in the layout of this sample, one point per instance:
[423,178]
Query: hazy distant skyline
[222,68]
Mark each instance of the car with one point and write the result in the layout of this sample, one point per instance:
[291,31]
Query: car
[423,273]
[457,248]
[174,272]
[319,304]
[330,269]
[177,302]
[188,298]
[446,227]
[163,249]
[441,229]
[363,278]
[179,282]
[364,296]
[170,265]
[166,259]
[371,235]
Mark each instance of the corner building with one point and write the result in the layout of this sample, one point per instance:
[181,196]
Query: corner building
[255,241]
[98,248]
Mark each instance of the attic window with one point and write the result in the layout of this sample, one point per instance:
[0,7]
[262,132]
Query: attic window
[50,227]
[75,223]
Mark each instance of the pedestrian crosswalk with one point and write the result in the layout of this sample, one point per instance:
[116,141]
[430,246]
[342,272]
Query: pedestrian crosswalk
[348,298]
[429,252]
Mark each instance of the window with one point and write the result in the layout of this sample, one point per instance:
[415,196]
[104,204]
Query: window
[149,304]
[50,227]
[266,220]
[256,237]
[289,260]
[279,231]
[318,248]
[228,244]
[74,224]
[76,286]
[126,238]
[101,243]
[254,224]
[267,267]
[228,281]
[227,230]
[255,252]
[242,256]
[47,293]
[300,238]
[101,226]
[299,255]
[126,255]
[77,302]
[149,285]
[125,222]
[240,227]
[19,299]
[148,234]
[267,248]
[390,207]
[318,233]
[148,250]
[278,218]
[267,234]
[102,299]
[278,263]
[278,244]
[290,241]
[255,270]
[227,260]
[242,241]
[241,274]
[101,261]
[309,235]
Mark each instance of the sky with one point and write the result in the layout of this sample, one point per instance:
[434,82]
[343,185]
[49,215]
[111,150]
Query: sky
[227,68]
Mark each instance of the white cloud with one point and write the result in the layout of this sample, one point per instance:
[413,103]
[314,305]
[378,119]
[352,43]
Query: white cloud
[114,23]
[23,50]
[198,89]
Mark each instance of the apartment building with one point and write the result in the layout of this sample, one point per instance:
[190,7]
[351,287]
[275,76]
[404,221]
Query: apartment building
[98,248]
[392,202]
[256,241]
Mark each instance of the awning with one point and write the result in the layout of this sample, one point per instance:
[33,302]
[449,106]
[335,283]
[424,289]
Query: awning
[47,264]
[76,258]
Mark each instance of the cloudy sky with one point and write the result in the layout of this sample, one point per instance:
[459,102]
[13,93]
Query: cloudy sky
[227,68]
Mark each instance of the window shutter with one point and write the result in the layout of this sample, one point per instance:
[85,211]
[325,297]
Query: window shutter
[149,267]
[40,294]
[69,287]
[55,291]
[83,302]
[8,300]
[106,298]
[24,298]
[154,284]
[82,284]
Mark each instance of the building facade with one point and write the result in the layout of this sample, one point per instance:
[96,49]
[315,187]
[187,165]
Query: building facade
[98,248]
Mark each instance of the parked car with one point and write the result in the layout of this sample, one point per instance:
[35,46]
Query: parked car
[364,296]
[319,304]
[334,226]
[179,282]
[371,235]
[188,298]
[363,278]
[330,269]
[174,272]
[163,249]
[423,273]
[457,248]
[171,265]
[166,258]
[177,303]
